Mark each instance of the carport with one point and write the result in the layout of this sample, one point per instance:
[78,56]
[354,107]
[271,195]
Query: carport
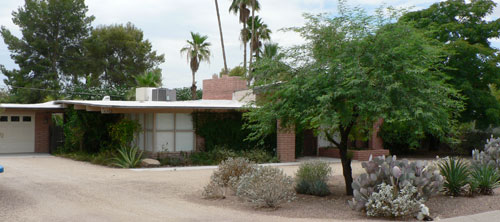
[24,128]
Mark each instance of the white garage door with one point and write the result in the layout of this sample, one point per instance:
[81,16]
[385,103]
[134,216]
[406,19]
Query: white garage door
[17,133]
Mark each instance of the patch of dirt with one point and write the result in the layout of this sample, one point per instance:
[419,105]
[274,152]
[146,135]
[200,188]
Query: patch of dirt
[335,205]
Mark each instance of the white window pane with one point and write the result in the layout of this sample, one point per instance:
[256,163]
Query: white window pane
[164,141]
[141,140]
[184,141]
[149,121]
[149,141]
[140,119]
[184,121]
[165,121]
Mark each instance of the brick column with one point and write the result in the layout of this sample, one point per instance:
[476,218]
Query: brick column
[286,144]
[42,132]
[376,143]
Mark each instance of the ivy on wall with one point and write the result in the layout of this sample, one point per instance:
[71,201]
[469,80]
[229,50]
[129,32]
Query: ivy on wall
[225,129]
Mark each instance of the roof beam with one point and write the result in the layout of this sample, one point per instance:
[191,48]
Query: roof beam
[79,107]
[93,109]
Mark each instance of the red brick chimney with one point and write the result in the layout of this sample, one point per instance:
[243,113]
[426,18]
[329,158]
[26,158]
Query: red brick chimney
[222,88]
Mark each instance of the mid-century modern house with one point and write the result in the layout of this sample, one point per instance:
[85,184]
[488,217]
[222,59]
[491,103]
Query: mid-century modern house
[167,125]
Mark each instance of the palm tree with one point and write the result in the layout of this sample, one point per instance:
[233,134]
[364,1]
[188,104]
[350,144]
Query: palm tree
[261,32]
[149,79]
[270,50]
[221,37]
[197,50]
[255,7]
[240,6]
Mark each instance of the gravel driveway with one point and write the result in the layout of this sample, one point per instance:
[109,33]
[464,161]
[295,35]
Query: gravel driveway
[45,188]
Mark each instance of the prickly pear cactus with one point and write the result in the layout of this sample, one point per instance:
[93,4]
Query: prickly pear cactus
[397,173]
[490,155]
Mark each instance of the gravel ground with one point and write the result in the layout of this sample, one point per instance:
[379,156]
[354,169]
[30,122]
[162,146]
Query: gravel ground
[57,189]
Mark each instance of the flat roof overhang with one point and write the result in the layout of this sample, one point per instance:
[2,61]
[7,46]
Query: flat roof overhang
[154,106]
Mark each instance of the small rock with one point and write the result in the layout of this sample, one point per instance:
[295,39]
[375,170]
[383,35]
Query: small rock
[150,163]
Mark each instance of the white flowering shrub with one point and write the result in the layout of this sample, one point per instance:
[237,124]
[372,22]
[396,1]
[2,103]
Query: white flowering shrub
[266,187]
[226,176]
[388,202]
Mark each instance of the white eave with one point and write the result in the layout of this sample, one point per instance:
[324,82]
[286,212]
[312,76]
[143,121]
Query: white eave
[191,104]
[47,105]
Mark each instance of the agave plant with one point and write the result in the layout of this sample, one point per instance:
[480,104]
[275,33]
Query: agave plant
[127,157]
[456,174]
[485,178]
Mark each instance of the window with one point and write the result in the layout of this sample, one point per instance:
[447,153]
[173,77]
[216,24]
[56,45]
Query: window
[26,118]
[4,118]
[14,118]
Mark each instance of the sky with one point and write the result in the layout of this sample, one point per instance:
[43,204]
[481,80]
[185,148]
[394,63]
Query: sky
[168,23]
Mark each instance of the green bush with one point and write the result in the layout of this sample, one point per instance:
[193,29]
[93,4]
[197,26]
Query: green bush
[484,178]
[173,161]
[127,157]
[456,174]
[123,132]
[218,154]
[312,178]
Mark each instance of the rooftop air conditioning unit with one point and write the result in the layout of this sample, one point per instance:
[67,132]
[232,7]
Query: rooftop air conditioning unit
[162,94]
[144,94]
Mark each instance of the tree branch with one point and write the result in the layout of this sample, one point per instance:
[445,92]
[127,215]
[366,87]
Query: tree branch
[330,139]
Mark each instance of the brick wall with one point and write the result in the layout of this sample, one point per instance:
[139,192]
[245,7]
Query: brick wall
[286,144]
[376,143]
[222,88]
[362,155]
[42,132]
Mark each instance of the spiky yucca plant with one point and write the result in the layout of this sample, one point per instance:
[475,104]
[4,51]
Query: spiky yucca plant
[484,179]
[456,173]
[127,157]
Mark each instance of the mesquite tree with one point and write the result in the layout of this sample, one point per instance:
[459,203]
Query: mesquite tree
[353,70]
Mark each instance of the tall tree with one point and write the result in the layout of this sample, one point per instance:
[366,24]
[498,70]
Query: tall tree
[270,50]
[354,70]
[221,37]
[49,52]
[116,54]
[473,64]
[254,4]
[241,7]
[197,50]
[259,32]
[149,79]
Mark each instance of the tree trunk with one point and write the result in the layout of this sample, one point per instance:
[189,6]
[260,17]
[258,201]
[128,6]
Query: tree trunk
[193,88]
[252,42]
[344,156]
[244,51]
[346,166]
[221,37]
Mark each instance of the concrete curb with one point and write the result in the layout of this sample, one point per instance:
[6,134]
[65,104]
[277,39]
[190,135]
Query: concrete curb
[215,167]
[486,217]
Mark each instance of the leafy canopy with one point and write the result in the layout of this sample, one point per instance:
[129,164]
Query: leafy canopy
[473,64]
[353,70]
[49,53]
[117,54]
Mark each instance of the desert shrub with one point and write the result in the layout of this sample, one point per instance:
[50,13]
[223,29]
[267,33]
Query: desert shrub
[484,178]
[456,175]
[127,157]
[390,202]
[266,187]
[397,173]
[490,154]
[220,153]
[173,161]
[312,178]
[227,176]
